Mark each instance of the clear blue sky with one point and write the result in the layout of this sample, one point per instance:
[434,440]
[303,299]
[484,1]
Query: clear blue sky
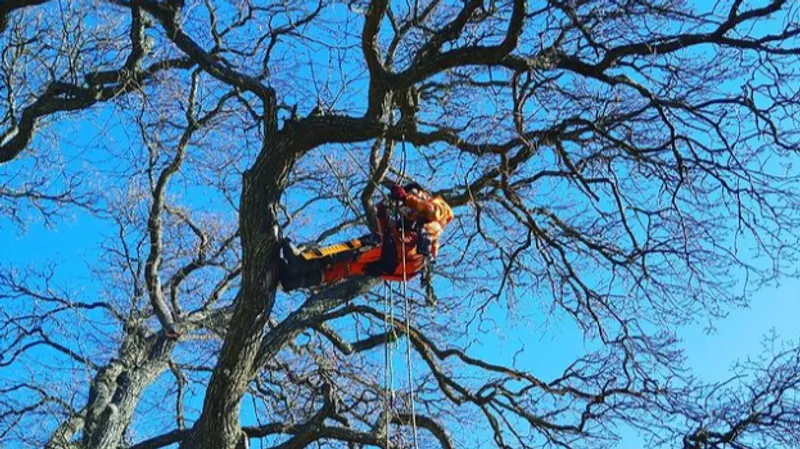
[549,348]
[550,342]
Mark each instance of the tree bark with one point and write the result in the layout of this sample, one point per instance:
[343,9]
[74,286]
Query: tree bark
[118,387]
[219,426]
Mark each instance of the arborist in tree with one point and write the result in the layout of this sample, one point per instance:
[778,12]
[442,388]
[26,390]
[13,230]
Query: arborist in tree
[410,224]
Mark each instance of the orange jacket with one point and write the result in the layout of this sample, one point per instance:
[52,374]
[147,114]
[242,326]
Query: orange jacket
[388,262]
[434,213]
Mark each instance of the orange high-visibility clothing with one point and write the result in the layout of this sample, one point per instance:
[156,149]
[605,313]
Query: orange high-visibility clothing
[433,215]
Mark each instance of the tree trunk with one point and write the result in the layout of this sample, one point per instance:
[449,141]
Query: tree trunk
[219,426]
[118,387]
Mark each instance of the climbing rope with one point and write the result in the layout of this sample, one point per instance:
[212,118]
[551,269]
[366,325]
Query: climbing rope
[389,324]
[388,381]
[407,306]
[389,306]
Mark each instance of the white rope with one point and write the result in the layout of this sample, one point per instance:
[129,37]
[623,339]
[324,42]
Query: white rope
[407,305]
[389,322]
[388,380]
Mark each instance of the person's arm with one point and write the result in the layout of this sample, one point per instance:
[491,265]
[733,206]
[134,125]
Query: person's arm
[382,217]
[435,209]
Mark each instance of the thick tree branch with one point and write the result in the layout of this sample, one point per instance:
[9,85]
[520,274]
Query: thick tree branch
[9,6]
[63,97]
[372,56]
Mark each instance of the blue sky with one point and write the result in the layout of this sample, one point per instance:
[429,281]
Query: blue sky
[551,342]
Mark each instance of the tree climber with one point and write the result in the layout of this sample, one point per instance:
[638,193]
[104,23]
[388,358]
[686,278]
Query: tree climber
[412,221]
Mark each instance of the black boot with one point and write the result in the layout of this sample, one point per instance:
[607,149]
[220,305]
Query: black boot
[292,280]
[289,252]
[292,263]
[295,271]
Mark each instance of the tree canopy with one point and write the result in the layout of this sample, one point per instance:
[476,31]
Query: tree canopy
[621,166]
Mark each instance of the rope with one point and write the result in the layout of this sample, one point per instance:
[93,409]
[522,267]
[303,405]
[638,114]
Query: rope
[388,381]
[407,305]
[403,173]
[389,321]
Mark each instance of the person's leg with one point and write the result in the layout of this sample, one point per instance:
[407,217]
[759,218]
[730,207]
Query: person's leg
[352,267]
[295,271]
[292,255]
[309,267]
[294,280]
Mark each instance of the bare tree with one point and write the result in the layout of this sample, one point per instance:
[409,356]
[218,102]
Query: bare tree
[624,164]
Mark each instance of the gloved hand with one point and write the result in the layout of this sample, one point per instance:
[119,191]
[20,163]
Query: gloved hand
[397,193]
